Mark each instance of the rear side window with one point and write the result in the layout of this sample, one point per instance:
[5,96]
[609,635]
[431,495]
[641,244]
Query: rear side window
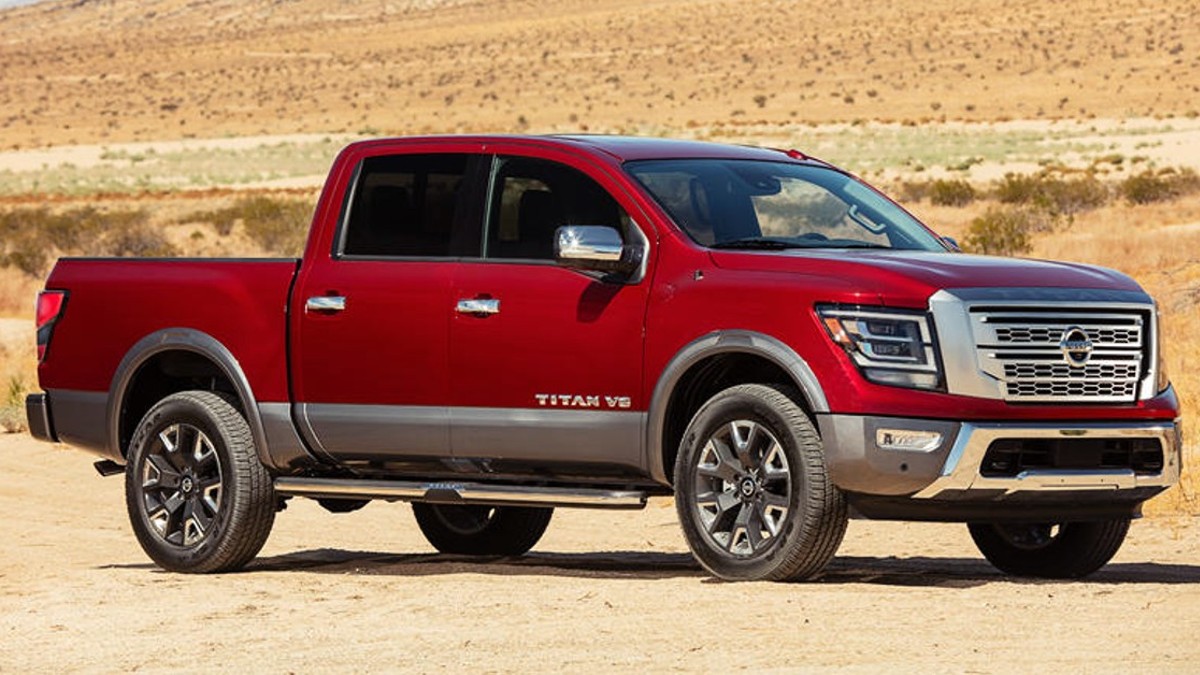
[532,198]
[412,205]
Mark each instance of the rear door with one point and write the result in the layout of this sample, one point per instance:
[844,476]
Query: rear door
[546,362]
[371,319]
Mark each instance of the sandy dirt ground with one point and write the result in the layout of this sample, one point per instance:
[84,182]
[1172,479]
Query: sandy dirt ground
[364,592]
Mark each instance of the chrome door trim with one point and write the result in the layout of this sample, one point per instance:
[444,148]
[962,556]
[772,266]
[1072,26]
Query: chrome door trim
[325,303]
[478,306]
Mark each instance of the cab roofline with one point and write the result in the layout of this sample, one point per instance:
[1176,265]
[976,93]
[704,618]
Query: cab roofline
[620,148]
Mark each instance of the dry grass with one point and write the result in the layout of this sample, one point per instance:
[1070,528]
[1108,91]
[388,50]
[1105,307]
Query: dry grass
[18,376]
[99,72]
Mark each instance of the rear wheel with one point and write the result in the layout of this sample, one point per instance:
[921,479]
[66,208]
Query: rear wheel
[198,498]
[482,530]
[1049,550]
[753,495]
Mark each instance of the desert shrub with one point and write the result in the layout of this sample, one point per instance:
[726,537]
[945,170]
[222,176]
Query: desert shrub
[913,190]
[1156,186]
[34,237]
[25,252]
[137,239]
[12,407]
[278,225]
[1004,231]
[1054,191]
[951,192]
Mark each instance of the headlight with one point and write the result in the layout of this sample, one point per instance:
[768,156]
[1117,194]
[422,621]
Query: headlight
[889,346]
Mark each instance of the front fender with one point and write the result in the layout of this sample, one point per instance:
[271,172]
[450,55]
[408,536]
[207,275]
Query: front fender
[712,344]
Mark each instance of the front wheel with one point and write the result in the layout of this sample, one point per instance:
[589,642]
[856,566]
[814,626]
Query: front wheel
[482,530]
[198,498]
[1049,550]
[753,495]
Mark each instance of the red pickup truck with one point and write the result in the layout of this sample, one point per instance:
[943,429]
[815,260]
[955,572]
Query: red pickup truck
[491,327]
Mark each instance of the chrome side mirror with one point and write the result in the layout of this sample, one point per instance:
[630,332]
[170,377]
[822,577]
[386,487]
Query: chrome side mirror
[595,247]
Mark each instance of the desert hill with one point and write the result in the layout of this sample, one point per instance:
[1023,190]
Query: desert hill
[98,71]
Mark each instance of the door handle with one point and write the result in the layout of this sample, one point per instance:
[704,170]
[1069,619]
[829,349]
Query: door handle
[478,306]
[325,303]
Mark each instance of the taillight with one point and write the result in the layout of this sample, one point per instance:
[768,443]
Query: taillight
[49,307]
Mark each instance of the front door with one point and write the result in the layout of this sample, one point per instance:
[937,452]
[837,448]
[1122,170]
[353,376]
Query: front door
[546,362]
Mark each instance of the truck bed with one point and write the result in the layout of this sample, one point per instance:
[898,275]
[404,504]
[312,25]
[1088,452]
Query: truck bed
[117,302]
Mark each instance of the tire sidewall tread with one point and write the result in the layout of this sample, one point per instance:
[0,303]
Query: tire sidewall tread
[247,508]
[817,517]
[1080,549]
[510,530]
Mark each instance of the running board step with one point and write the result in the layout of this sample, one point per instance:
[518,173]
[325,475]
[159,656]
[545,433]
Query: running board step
[460,493]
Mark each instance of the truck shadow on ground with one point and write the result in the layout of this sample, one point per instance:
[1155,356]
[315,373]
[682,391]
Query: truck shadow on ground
[889,571]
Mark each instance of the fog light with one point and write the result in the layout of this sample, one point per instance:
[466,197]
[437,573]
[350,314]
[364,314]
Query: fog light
[909,440]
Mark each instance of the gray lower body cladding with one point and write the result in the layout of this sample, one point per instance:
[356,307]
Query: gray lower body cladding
[78,418]
[1000,470]
[380,433]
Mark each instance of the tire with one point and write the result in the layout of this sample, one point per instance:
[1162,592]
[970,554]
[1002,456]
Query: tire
[209,509]
[752,491]
[482,530]
[1049,550]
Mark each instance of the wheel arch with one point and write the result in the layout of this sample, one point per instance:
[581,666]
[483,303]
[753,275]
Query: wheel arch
[709,364]
[172,360]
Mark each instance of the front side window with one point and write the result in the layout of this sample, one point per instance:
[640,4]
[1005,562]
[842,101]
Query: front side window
[410,205]
[724,203]
[532,198]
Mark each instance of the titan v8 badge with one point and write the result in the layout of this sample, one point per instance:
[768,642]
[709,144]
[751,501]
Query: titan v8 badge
[578,401]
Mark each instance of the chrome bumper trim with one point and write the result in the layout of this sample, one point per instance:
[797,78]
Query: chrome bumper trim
[459,493]
[961,471]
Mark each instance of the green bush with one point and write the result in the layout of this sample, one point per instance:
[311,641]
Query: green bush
[1004,231]
[1156,186]
[951,192]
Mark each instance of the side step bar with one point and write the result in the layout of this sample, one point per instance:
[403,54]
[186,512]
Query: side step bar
[460,493]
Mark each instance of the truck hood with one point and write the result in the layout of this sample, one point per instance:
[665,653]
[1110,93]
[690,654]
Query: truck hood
[908,278]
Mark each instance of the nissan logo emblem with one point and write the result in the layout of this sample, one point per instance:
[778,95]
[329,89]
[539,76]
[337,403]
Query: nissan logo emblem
[1076,347]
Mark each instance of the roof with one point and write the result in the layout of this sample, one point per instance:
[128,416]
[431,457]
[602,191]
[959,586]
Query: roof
[628,148]
[620,148]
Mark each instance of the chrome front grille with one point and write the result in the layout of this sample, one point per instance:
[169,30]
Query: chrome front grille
[1043,334]
[1062,355]
[1062,371]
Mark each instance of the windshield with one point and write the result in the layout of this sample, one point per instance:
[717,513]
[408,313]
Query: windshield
[728,203]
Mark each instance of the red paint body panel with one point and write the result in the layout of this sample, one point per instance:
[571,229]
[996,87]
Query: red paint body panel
[115,303]
[559,332]
[390,344]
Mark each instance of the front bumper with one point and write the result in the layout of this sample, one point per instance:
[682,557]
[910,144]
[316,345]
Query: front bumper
[948,482]
[37,414]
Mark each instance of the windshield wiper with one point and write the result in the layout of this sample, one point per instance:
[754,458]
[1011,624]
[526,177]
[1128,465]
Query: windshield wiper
[760,243]
[856,244]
